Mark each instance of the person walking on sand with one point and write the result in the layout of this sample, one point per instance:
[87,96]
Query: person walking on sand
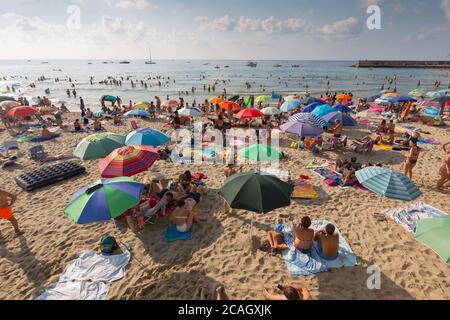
[444,170]
[411,158]
[6,201]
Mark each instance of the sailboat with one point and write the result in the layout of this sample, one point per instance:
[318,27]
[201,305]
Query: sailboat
[150,61]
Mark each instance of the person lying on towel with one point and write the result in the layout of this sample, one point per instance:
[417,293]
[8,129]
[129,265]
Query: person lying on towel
[46,134]
[328,242]
[184,217]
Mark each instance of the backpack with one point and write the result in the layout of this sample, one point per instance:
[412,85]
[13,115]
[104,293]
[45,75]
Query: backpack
[108,244]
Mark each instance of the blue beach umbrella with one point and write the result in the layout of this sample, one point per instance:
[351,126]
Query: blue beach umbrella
[322,110]
[318,121]
[104,200]
[342,108]
[310,108]
[302,129]
[146,137]
[311,100]
[137,113]
[388,183]
[402,99]
[345,119]
[290,105]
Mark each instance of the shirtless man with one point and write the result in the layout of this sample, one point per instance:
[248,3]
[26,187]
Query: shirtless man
[6,201]
[303,235]
[337,130]
[292,292]
[328,242]
[444,170]
[184,217]
[391,132]
[46,133]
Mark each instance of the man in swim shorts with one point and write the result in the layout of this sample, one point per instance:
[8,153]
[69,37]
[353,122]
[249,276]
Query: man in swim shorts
[6,201]
[328,241]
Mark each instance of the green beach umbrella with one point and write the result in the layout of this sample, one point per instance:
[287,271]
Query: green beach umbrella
[255,192]
[98,146]
[262,99]
[435,234]
[260,152]
[104,200]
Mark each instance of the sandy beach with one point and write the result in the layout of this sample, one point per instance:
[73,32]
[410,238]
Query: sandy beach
[220,252]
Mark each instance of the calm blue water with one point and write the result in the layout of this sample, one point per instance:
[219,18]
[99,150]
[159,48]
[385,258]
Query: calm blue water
[265,78]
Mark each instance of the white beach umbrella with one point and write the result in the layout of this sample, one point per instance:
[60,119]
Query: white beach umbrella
[190,112]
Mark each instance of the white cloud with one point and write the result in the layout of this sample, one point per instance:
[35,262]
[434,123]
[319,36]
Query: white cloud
[224,23]
[135,4]
[445,5]
[367,3]
[341,28]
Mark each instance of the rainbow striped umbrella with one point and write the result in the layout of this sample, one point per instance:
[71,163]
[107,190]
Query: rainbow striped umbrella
[128,161]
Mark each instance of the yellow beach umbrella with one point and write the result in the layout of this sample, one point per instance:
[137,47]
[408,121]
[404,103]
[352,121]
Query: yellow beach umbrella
[141,105]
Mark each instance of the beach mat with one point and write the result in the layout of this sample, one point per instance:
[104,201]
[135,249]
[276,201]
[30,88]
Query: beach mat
[304,190]
[319,163]
[301,264]
[75,290]
[172,234]
[408,216]
[332,178]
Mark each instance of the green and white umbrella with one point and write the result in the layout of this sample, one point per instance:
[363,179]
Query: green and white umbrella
[388,183]
[435,233]
[98,146]
[260,152]
[271,111]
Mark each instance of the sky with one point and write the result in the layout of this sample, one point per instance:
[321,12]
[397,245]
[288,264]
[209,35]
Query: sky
[218,29]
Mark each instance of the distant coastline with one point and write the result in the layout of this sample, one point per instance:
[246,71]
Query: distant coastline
[416,64]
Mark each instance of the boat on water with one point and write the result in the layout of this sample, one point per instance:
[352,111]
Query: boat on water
[124,62]
[150,61]
[226,66]
[277,66]
[206,64]
[217,67]
[295,66]
[251,64]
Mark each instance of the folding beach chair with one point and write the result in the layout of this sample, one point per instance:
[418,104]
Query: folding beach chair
[37,153]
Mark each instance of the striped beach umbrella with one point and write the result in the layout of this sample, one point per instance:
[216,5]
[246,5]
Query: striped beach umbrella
[98,146]
[388,183]
[318,121]
[128,161]
[103,200]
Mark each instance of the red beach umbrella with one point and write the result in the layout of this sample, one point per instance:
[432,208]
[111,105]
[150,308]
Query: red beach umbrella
[22,111]
[249,113]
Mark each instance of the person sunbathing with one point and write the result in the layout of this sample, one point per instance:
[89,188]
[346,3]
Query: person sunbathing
[46,134]
[444,170]
[290,292]
[349,176]
[184,217]
[303,235]
[328,242]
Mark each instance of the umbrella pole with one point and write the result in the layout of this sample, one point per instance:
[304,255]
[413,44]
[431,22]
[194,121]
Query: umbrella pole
[251,227]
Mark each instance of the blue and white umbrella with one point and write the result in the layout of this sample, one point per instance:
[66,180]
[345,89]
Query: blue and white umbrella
[388,183]
[137,113]
[290,105]
[190,112]
[318,121]
[146,137]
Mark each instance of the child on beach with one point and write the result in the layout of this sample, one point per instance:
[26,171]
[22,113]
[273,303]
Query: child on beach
[6,201]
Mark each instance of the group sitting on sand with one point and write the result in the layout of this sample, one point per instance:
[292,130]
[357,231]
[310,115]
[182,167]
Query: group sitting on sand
[327,239]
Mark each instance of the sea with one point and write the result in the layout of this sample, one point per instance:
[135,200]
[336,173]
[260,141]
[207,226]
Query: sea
[190,79]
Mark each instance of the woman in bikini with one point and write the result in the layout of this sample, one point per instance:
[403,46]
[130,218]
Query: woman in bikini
[303,235]
[184,217]
[411,158]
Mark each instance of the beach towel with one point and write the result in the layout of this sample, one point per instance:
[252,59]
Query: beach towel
[331,177]
[304,190]
[26,138]
[428,141]
[382,146]
[319,163]
[408,216]
[75,290]
[42,139]
[172,234]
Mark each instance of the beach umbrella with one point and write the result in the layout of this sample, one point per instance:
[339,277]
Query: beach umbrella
[291,97]
[6,98]
[216,100]
[271,111]
[9,104]
[290,105]
[128,161]
[190,112]
[311,100]
[418,93]
[142,105]
[256,192]
[344,96]
[435,234]
[226,104]
[382,101]
[262,99]
[388,183]
[249,113]
[137,113]
[318,121]
[104,200]
[322,110]
[108,98]
[432,94]
[234,98]
[98,146]
[391,95]
[342,108]
[373,98]
[302,129]
[22,111]
[146,137]
[45,109]
[402,99]
[345,119]
[444,91]
[171,103]
[311,107]
[260,152]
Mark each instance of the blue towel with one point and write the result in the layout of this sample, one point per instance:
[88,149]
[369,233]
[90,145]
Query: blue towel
[41,139]
[300,264]
[172,234]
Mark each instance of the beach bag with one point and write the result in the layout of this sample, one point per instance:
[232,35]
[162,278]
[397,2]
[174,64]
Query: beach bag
[108,244]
